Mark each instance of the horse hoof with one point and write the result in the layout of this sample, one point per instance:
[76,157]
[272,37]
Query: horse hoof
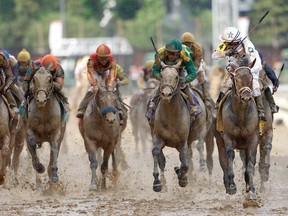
[183,182]
[231,190]
[54,179]
[251,195]
[92,187]
[1,180]
[157,186]
[39,168]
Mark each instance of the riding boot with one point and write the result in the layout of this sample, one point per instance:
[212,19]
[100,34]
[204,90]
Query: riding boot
[269,96]
[84,103]
[152,105]
[260,108]
[120,111]
[206,95]
[220,96]
[12,103]
[194,109]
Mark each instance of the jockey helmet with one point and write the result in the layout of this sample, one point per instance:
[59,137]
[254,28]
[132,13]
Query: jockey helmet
[174,45]
[23,56]
[103,51]
[187,37]
[149,65]
[231,34]
[47,60]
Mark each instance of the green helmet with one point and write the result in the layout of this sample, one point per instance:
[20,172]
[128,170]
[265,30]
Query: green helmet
[174,45]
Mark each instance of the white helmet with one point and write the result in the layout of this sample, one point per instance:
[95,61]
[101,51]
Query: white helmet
[231,34]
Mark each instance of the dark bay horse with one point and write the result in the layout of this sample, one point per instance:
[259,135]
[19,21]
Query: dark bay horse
[100,128]
[44,122]
[171,126]
[239,129]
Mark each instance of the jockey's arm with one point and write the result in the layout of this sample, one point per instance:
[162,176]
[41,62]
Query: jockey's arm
[156,69]
[90,73]
[188,64]
[121,75]
[271,74]
[197,55]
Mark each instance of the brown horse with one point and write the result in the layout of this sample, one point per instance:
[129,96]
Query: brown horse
[100,128]
[140,126]
[239,129]
[44,122]
[12,136]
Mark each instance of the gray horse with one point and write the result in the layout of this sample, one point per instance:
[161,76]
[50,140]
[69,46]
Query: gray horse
[44,122]
[100,128]
[172,127]
[239,129]
[140,126]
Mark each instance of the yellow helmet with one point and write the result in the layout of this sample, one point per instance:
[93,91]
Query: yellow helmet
[23,56]
[149,65]
[187,37]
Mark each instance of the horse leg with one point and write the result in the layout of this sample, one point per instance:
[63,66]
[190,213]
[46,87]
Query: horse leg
[265,150]
[104,167]
[31,143]
[162,164]
[250,168]
[209,151]
[16,155]
[181,172]
[157,186]
[115,171]
[200,148]
[190,159]
[5,158]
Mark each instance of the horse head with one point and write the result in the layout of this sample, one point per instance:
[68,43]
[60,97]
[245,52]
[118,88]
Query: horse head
[169,80]
[106,104]
[42,85]
[240,71]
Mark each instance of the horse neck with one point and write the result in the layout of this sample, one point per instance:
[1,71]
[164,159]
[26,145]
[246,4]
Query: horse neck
[240,108]
[173,107]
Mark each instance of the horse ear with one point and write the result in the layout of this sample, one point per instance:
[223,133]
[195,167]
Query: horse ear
[163,64]
[178,63]
[251,65]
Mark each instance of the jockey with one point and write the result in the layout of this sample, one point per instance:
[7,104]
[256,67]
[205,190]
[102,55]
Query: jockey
[57,72]
[9,78]
[234,46]
[102,70]
[272,76]
[145,75]
[23,62]
[188,39]
[170,54]
[142,81]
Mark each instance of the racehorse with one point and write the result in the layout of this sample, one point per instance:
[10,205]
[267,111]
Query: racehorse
[140,126]
[239,128]
[12,136]
[172,126]
[100,128]
[44,122]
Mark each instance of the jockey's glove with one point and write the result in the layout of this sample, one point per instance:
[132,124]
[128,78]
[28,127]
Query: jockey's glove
[229,52]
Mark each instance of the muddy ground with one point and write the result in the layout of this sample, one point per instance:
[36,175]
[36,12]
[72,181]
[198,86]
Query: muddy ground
[133,194]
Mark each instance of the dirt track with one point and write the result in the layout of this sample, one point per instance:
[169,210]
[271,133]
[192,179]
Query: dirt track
[134,195]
